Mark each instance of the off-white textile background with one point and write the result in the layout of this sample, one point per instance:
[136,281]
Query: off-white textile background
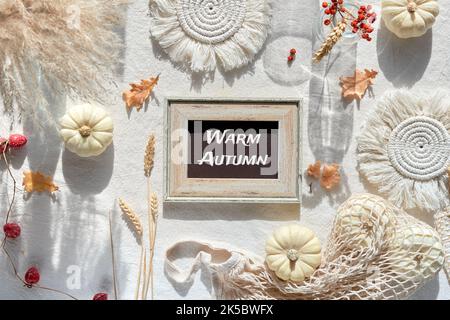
[72,229]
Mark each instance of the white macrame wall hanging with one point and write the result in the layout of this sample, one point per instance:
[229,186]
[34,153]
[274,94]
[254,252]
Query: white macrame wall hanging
[405,149]
[204,33]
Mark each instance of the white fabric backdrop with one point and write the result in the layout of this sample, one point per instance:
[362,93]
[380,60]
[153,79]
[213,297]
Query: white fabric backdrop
[72,230]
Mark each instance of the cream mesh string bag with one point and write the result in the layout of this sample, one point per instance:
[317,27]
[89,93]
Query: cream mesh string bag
[375,251]
[204,33]
[404,149]
[442,223]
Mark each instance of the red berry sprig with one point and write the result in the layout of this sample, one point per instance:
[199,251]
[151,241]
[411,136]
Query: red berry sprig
[332,8]
[363,23]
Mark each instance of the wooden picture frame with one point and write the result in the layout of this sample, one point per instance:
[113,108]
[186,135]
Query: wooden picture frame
[180,113]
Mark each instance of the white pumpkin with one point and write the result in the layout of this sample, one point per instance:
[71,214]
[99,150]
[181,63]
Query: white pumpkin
[409,18]
[417,252]
[87,130]
[364,220]
[293,253]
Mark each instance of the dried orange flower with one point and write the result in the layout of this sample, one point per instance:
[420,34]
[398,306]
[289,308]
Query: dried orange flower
[314,169]
[356,86]
[330,176]
[37,182]
[139,93]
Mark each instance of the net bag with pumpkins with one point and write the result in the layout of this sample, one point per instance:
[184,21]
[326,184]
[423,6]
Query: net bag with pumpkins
[375,251]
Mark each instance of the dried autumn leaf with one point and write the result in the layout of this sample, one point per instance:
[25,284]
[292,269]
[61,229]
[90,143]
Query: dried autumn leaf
[314,169]
[37,182]
[356,86]
[330,176]
[139,93]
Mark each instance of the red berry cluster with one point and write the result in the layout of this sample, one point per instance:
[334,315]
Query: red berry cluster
[292,54]
[363,23]
[332,8]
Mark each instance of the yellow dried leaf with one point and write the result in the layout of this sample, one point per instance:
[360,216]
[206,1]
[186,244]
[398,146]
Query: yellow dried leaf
[330,176]
[314,169]
[37,182]
[139,93]
[356,86]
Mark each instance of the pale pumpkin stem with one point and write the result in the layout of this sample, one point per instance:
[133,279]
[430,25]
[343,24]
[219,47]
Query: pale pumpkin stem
[292,255]
[412,6]
[85,131]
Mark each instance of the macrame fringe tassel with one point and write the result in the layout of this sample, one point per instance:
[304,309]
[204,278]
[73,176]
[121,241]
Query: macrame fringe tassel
[234,52]
[373,158]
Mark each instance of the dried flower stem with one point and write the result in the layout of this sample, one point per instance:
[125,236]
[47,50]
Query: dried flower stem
[152,213]
[330,41]
[113,256]
[138,286]
[154,218]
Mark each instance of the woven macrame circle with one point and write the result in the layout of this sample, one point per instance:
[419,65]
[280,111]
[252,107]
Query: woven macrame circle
[404,149]
[419,148]
[204,34]
[211,21]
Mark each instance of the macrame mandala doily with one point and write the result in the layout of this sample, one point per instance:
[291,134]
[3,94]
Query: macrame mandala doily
[203,33]
[405,149]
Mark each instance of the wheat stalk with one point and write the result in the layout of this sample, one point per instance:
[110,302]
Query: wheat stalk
[330,41]
[132,217]
[149,158]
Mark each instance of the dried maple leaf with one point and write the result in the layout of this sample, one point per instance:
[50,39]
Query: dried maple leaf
[330,176]
[356,86]
[314,169]
[37,182]
[139,93]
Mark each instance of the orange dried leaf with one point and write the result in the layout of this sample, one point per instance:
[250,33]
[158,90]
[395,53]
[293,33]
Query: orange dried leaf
[356,86]
[139,94]
[330,176]
[37,182]
[314,169]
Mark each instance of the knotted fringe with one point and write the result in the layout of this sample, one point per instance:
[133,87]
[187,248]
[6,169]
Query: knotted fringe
[373,159]
[234,52]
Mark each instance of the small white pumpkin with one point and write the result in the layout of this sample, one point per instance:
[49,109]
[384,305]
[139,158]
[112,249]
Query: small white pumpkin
[409,18]
[418,252]
[87,130]
[293,253]
[365,219]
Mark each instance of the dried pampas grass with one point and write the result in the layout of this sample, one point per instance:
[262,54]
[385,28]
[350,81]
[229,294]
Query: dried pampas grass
[64,46]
